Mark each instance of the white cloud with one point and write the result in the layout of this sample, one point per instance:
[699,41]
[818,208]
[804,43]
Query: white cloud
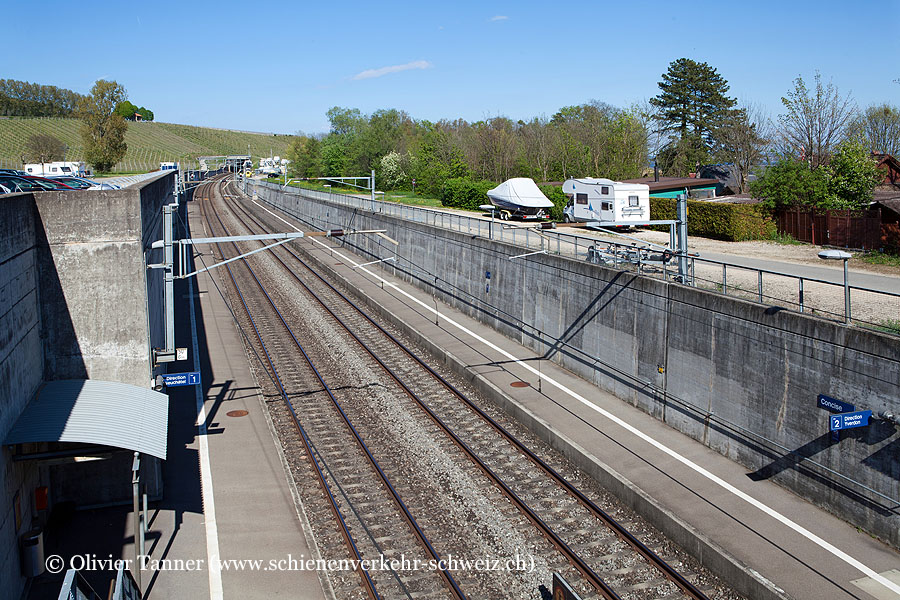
[371,73]
[499,18]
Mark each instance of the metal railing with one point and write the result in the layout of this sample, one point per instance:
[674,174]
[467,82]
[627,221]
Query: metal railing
[768,287]
[74,587]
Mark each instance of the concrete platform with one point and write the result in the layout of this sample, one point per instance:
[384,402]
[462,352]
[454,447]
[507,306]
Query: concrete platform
[227,494]
[764,540]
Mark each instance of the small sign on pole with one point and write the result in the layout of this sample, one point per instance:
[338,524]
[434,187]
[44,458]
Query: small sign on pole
[850,420]
[179,379]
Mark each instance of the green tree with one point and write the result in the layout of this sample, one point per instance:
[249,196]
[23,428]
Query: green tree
[126,110]
[303,152]
[146,113]
[846,182]
[791,182]
[437,159]
[102,130]
[44,148]
[853,176]
[692,105]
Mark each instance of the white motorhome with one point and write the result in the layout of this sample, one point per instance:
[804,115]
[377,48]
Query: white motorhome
[605,200]
[59,169]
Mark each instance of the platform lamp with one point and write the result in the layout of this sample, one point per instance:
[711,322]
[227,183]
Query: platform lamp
[844,256]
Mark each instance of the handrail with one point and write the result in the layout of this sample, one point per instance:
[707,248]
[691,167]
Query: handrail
[75,587]
[469,224]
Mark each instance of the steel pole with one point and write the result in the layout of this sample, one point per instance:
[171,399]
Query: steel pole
[169,279]
[682,238]
[136,484]
[846,294]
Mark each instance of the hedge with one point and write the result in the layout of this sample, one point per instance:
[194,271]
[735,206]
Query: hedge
[462,192]
[718,220]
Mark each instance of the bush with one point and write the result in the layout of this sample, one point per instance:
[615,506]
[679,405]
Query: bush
[462,192]
[717,220]
[555,194]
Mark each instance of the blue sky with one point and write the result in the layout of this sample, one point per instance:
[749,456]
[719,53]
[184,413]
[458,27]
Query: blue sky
[278,66]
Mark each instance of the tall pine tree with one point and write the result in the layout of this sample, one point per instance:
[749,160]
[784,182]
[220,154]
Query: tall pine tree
[693,104]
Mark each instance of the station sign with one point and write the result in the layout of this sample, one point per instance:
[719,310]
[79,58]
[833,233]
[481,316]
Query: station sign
[833,405]
[179,379]
[850,420]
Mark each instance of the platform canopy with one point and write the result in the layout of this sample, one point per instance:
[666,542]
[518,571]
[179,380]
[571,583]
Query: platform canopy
[92,411]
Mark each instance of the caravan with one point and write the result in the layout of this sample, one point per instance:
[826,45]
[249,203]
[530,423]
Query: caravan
[607,201]
[58,169]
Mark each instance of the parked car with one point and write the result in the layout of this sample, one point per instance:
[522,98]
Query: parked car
[49,184]
[14,183]
[13,172]
[74,182]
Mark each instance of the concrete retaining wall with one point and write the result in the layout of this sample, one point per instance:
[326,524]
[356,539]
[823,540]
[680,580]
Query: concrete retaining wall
[21,368]
[76,301]
[735,375]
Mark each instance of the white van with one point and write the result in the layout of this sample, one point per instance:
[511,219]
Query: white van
[605,200]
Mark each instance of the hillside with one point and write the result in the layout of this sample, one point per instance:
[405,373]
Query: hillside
[149,143]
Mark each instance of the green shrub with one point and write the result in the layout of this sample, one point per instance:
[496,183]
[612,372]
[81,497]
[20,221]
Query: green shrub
[718,220]
[462,192]
[555,194]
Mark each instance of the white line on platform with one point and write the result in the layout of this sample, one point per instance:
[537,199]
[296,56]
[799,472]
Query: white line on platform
[209,505]
[837,552]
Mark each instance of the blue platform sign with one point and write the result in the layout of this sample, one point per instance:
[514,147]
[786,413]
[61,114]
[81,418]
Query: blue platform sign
[850,420]
[177,379]
[835,406]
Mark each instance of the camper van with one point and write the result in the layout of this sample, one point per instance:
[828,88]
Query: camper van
[611,202]
[168,166]
[58,169]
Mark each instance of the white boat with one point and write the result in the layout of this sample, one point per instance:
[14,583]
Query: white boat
[519,197]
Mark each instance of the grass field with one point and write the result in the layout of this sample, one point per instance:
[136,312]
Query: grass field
[149,143]
[398,196]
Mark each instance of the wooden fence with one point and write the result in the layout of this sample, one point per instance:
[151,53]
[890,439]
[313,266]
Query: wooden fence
[843,228]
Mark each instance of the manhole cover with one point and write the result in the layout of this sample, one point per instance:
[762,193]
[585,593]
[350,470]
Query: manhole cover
[519,384]
[237,413]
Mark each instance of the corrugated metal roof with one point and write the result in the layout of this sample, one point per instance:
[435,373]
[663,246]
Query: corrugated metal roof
[95,412]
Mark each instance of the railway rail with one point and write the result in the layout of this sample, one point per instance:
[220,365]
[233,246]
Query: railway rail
[465,484]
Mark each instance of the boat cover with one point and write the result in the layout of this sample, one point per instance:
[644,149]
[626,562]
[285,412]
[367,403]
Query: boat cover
[519,191]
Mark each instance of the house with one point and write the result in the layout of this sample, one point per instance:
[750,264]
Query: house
[671,187]
[728,177]
[890,166]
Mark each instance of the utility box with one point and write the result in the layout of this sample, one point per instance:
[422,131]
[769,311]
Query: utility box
[32,548]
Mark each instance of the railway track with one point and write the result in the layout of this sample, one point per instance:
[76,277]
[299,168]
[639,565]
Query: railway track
[431,475]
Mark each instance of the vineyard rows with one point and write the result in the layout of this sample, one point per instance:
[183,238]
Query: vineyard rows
[149,143]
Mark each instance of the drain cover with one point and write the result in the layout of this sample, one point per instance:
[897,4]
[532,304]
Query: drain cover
[237,413]
[519,384]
